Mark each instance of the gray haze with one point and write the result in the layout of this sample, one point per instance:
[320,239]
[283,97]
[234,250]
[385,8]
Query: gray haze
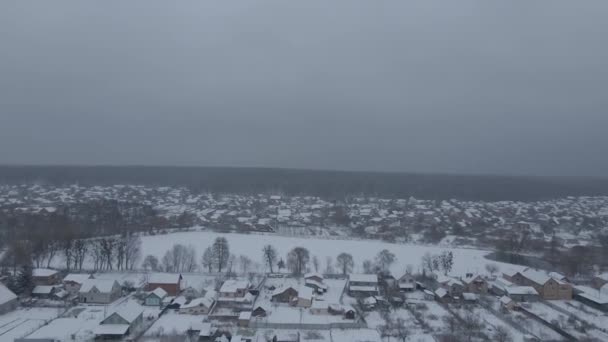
[502,87]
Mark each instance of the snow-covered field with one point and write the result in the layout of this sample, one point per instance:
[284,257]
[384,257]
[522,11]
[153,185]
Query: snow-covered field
[465,260]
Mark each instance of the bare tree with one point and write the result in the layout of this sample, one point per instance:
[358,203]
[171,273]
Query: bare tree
[208,259]
[329,265]
[80,252]
[297,260]
[132,251]
[221,252]
[270,256]
[345,263]
[245,263]
[150,263]
[385,259]
[400,329]
[492,269]
[446,261]
[315,263]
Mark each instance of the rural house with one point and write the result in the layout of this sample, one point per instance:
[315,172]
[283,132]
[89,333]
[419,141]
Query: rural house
[125,320]
[170,282]
[8,300]
[73,281]
[45,276]
[155,298]
[363,284]
[99,291]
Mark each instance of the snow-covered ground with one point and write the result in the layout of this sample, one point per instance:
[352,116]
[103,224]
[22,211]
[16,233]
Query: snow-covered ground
[21,322]
[465,260]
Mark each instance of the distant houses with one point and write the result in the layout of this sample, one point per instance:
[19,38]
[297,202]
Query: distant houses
[99,291]
[547,287]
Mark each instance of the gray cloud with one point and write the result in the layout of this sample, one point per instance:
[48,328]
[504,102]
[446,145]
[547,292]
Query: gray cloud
[469,86]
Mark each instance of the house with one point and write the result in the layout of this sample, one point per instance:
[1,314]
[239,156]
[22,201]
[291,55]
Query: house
[170,282]
[234,288]
[305,296]
[197,306]
[8,300]
[592,297]
[284,294]
[319,307]
[207,332]
[522,293]
[259,311]
[73,281]
[507,303]
[43,291]
[244,318]
[599,280]
[155,298]
[362,285]
[547,287]
[454,287]
[99,291]
[125,320]
[469,297]
[442,295]
[286,337]
[406,283]
[315,281]
[45,276]
[474,283]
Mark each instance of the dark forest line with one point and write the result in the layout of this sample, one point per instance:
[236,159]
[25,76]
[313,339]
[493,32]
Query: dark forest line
[328,184]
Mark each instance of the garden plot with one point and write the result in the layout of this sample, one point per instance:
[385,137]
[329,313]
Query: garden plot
[174,323]
[23,321]
[491,322]
[536,328]
[583,312]
[569,324]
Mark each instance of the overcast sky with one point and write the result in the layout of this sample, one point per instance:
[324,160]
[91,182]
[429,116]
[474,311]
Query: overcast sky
[501,87]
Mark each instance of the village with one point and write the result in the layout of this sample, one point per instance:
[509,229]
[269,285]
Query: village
[433,305]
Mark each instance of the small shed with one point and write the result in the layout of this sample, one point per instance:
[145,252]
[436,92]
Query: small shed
[244,318]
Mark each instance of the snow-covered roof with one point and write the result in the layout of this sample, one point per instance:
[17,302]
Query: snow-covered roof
[538,277]
[469,296]
[102,285]
[305,292]
[159,292]
[196,302]
[164,278]
[505,300]
[129,311]
[206,329]
[233,285]
[441,292]
[313,274]
[6,295]
[42,289]
[78,278]
[43,272]
[363,278]
[521,290]
[245,315]
[111,329]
